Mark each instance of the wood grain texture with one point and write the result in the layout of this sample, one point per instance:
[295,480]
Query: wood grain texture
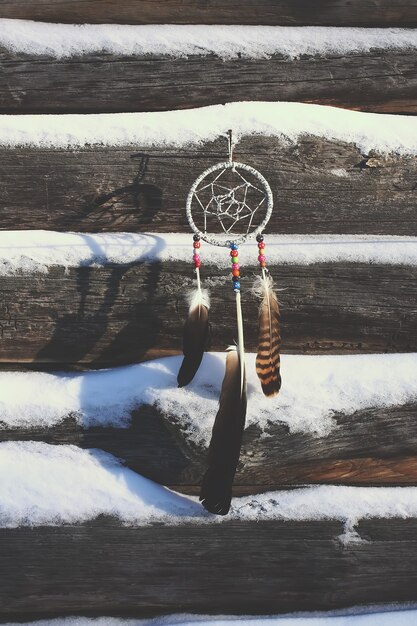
[120,314]
[319,186]
[368,447]
[270,12]
[379,81]
[103,568]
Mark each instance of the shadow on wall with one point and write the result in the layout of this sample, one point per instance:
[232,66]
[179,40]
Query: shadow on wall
[138,200]
[91,326]
[154,444]
[149,440]
[79,333]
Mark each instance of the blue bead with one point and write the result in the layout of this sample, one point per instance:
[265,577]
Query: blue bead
[233,246]
[236,286]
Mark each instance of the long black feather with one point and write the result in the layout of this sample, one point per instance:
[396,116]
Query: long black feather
[196,332]
[226,440]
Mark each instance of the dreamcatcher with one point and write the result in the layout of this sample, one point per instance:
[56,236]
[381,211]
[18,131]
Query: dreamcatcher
[228,204]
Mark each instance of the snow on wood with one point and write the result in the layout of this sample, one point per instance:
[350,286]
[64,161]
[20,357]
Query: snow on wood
[288,121]
[36,250]
[381,81]
[67,485]
[390,615]
[314,390]
[256,42]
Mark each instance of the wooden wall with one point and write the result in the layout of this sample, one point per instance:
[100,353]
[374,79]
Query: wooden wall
[94,317]
[103,568]
[320,186]
[121,314]
[379,80]
[143,189]
[265,12]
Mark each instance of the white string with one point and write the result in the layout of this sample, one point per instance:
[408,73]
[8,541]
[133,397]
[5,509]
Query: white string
[197,271]
[240,340]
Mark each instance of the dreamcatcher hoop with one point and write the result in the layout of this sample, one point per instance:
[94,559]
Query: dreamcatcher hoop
[222,167]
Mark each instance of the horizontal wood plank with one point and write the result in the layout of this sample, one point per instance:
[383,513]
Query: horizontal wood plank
[369,447]
[120,314]
[319,186]
[103,568]
[379,81]
[270,12]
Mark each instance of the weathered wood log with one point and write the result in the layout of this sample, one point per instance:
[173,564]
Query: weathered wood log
[368,447]
[379,81]
[285,566]
[319,186]
[119,314]
[270,12]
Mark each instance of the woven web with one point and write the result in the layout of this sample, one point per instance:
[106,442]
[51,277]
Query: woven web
[233,205]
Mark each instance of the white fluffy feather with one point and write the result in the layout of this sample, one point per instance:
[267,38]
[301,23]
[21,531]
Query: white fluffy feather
[198,296]
[260,285]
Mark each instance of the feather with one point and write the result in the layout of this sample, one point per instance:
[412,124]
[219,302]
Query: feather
[269,337]
[226,439]
[196,331]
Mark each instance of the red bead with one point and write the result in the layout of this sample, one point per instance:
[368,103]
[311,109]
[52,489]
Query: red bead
[235,266]
[261,245]
[197,263]
[196,244]
[234,253]
[261,258]
[236,273]
[196,257]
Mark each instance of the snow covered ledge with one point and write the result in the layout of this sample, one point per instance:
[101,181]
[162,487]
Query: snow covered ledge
[390,615]
[37,250]
[255,42]
[67,485]
[289,121]
[107,397]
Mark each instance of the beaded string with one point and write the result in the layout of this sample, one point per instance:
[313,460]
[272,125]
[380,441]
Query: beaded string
[261,254]
[234,253]
[196,258]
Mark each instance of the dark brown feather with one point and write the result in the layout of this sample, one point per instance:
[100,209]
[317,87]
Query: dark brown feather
[269,341]
[226,440]
[196,331]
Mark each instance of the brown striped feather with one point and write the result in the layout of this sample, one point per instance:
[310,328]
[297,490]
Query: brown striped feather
[269,338]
